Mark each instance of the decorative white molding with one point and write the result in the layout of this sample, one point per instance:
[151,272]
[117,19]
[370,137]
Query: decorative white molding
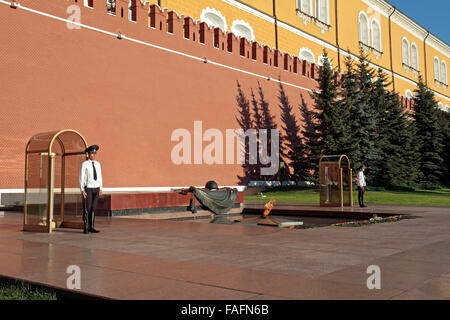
[323,26]
[242,29]
[305,17]
[306,51]
[214,18]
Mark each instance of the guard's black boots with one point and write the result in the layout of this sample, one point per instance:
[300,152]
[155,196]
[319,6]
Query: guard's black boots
[91,225]
[85,224]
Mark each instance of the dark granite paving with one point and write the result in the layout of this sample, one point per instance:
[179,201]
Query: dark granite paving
[160,259]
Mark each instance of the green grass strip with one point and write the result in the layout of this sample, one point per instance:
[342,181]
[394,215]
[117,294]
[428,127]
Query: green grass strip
[22,291]
[420,197]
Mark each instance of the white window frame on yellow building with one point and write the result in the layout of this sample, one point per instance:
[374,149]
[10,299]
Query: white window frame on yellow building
[300,7]
[406,60]
[377,51]
[314,14]
[437,68]
[360,29]
[444,72]
[318,12]
[417,65]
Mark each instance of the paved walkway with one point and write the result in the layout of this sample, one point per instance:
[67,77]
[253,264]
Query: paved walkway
[148,259]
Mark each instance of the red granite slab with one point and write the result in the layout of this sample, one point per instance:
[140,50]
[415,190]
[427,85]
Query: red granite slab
[141,200]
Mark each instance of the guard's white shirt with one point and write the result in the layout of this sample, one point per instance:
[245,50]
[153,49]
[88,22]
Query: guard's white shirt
[87,175]
[361,179]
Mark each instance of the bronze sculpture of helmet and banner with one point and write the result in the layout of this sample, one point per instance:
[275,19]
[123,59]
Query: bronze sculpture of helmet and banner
[219,201]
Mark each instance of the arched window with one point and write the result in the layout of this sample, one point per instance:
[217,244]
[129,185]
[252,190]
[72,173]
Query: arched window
[376,35]
[322,9]
[443,72]
[363,28]
[305,6]
[242,29]
[405,51]
[414,56]
[437,72]
[441,106]
[409,94]
[132,10]
[306,54]
[89,3]
[213,18]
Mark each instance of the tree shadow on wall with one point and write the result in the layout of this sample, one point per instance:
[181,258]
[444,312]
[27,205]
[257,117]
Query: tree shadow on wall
[256,114]
[253,115]
[290,141]
[305,169]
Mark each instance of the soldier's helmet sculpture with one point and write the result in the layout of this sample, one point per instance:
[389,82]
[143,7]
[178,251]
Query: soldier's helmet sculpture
[211,185]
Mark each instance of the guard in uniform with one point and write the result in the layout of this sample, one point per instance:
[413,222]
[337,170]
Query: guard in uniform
[91,184]
[361,181]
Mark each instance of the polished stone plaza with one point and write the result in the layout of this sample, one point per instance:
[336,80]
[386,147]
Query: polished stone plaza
[161,259]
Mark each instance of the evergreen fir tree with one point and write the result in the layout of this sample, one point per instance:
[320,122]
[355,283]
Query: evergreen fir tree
[410,152]
[350,98]
[305,167]
[366,117]
[397,165]
[327,116]
[446,153]
[429,136]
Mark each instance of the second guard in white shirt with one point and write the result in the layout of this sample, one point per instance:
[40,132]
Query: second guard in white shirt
[361,181]
[91,184]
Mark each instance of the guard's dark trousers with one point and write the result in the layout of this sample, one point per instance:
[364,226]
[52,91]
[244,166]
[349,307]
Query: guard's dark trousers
[92,195]
[361,196]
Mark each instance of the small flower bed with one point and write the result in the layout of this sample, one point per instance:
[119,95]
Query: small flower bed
[372,220]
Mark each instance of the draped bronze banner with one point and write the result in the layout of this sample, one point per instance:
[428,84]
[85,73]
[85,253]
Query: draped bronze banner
[218,201]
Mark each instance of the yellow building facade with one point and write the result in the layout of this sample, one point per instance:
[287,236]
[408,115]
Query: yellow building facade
[393,41]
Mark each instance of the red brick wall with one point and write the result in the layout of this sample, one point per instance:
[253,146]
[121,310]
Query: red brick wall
[126,97]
